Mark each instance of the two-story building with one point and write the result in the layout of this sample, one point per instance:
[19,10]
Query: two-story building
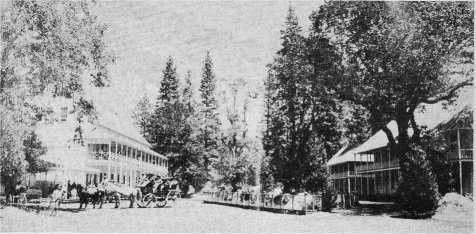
[111,148]
[372,172]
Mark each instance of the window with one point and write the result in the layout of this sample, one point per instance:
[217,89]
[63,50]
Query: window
[64,113]
[124,150]
[113,147]
[119,149]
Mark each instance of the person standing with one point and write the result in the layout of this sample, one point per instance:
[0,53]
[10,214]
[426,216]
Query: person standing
[68,189]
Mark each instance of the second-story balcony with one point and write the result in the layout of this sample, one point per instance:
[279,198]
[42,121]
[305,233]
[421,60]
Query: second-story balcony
[121,160]
[342,174]
[377,165]
[99,155]
[465,154]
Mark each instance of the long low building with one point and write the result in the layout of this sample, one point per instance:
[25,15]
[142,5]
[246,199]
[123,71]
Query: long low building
[372,172]
[108,148]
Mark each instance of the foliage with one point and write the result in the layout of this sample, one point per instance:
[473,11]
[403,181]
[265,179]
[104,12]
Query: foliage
[328,195]
[238,160]
[208,122]
[302,116]
[391,58]
[49,48]
[437,150]
[417,189]
[142,115]
[394,56]
[32,150]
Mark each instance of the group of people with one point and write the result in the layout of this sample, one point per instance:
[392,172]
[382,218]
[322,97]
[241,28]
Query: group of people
[153,183]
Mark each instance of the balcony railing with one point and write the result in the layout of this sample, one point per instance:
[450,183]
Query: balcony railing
[342,174]
[124,160]
[377,165]
[465,154]
[99,155]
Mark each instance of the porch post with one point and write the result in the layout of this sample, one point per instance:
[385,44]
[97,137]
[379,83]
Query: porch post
[460,166]
[109,162]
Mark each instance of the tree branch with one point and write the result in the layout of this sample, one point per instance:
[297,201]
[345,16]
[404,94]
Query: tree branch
[449,94]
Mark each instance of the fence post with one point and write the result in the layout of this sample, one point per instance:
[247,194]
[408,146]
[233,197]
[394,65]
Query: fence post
[272,201]
[292,202]
[305,204]
[281,202]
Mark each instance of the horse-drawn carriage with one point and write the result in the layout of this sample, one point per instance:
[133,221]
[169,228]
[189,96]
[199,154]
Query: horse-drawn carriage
[158,193]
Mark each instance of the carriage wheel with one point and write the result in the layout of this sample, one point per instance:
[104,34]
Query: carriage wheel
[148,200]
[161,202]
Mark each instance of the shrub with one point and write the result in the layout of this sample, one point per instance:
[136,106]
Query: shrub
[417,190]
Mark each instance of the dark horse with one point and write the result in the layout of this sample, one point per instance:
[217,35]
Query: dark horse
[93,194]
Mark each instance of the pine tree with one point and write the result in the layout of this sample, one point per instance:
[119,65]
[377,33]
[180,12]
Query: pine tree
[167,117]
[187,92]
[302,118]
[169,84]
[209,116]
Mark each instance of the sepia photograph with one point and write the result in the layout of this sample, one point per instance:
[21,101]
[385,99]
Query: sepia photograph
[226,116]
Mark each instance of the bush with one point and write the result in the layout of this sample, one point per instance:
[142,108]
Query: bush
[417,190]
[328,196]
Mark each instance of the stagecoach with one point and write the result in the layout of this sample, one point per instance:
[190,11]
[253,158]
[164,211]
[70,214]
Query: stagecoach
[153,194]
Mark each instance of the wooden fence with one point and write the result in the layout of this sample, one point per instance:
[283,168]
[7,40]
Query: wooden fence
[284,203]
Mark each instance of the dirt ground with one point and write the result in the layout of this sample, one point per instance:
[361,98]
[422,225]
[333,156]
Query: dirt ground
[192,215]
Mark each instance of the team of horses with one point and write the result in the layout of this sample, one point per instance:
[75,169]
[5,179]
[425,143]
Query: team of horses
[98,194]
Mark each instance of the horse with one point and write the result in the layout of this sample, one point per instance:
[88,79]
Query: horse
[93,193]
[111,188]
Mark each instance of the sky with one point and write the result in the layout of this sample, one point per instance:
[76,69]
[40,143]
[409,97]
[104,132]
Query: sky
[242,37]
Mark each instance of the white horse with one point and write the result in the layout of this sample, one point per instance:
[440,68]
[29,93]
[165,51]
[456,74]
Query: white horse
[111,188]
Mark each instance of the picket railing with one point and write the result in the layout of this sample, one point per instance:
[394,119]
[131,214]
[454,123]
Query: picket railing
[287,203]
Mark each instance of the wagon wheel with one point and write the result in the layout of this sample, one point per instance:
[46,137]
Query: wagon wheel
[148,199]
[161,201]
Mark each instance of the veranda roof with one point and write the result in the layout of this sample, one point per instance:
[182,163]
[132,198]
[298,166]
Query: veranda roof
[342,156]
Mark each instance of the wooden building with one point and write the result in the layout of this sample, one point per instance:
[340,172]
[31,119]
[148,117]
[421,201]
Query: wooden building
[370,171]
[111,148]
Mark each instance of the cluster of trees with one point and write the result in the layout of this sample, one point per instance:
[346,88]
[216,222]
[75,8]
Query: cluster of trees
[52,49]
[190,132]
[380,61]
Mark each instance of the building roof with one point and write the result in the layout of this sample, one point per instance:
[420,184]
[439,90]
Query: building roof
[378,140]
[343,155]
[113,121]
[463,119]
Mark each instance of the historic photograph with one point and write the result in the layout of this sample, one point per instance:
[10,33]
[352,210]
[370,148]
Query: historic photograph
[253,116]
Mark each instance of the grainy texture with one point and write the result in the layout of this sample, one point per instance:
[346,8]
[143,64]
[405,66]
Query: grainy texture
[194,216]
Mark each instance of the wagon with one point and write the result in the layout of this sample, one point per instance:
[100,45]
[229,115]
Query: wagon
[158,198]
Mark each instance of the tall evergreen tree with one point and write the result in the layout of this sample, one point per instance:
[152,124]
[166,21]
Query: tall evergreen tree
[302,115]
[167,117]
[169,85]
[209,116]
